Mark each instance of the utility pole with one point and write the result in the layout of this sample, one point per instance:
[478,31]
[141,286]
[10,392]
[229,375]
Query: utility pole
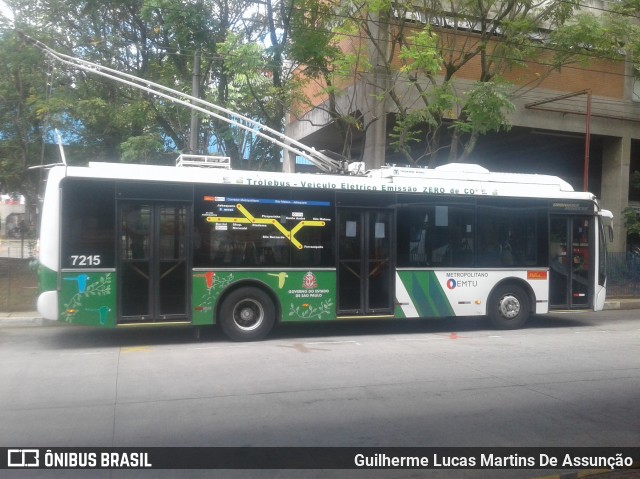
[195,92]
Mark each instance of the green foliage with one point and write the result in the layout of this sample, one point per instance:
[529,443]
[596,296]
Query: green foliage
[251,56]
[414,126]
[486,108]
[583,36]
[420,53]
[145,149]
[631,221]
[154,39]
[506,35]
[626,32]
[242,58]
[319,49]
[22,79]
[378,6]
[312,37]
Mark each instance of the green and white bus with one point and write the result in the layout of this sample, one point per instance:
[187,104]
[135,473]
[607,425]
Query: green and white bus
[125,245]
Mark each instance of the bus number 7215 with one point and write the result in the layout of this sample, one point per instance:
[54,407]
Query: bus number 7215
[85,260]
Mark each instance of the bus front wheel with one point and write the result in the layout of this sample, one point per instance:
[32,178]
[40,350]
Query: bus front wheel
[508,307]
[247,314]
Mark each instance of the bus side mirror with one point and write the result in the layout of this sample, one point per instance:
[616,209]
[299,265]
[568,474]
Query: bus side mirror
[609,223]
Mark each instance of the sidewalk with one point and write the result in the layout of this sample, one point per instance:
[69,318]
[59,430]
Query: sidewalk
[23,317]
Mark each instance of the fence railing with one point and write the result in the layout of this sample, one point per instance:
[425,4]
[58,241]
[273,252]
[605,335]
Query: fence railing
[18,276]
[17,248]
[623,275]
[18,285]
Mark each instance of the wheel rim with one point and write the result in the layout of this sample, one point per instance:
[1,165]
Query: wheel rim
[509,306]
[248,314]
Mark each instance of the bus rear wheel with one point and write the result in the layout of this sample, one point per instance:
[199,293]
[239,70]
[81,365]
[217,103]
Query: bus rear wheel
[508,307]
[247,314]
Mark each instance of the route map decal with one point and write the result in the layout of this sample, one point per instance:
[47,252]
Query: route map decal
[248,218]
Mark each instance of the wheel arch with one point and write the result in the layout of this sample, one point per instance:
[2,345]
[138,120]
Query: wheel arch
[248,283]
[526,287]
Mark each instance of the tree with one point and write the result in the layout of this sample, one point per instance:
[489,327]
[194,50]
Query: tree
[239,48]
[22,129]
[325,57]
[362,53]
[442,68]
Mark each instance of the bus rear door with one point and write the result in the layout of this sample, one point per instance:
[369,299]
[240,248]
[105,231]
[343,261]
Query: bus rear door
[153,264]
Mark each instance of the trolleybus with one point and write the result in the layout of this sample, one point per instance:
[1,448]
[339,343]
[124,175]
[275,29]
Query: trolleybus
[124,245]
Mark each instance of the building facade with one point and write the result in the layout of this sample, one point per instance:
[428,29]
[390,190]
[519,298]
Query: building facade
[580,122]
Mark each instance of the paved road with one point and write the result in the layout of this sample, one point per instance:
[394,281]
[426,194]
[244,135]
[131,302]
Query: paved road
[566,380]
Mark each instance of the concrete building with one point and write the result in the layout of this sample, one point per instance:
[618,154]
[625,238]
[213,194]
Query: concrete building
[551,123]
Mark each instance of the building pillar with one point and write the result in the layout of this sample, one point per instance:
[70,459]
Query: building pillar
[616,157]
[375,92]
[288,162]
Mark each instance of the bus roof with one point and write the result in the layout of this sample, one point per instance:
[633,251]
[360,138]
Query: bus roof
[451,179]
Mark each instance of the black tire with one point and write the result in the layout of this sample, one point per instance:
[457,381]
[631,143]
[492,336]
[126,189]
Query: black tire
[247,314]
[508,307]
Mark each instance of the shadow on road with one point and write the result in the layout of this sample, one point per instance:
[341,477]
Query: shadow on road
[70,336]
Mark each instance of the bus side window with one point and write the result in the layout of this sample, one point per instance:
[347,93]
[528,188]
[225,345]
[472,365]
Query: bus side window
[511,236]
[88,227]
[413,239]
[439,235]
[453,238]
[488,245]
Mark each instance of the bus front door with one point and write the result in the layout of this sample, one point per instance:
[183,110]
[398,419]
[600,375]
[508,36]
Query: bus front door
[571,256]
[152,269]
[365,263]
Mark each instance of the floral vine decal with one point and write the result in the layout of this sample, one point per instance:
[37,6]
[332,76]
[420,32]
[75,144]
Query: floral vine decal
[311,312]
[215,283]
[87,289]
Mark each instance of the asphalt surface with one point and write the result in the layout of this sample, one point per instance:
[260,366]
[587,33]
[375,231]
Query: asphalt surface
[568,379]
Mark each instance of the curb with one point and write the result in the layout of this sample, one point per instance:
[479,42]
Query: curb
[29,318]
[622,303]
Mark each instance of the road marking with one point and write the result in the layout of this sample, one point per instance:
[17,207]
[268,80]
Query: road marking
[301,347]
[419,339]
[197,348]
[570,311]
[336,342]
[137,349]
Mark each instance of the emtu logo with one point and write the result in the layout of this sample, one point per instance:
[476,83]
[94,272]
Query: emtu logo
[451,283]
[23,458]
